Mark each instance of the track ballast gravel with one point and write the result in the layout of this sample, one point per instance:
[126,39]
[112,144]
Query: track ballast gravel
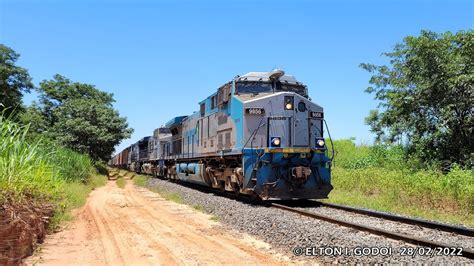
[397,227]
[286,231]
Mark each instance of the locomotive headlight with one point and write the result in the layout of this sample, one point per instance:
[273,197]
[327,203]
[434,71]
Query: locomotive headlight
[289,102]
[275,141]
[320,143]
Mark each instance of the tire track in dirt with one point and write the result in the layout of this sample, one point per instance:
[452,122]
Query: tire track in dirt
[148,239]
[113,253]
[204,240]
[134,226]
[213,244]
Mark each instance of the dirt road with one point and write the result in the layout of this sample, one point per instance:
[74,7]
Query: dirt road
[134,226]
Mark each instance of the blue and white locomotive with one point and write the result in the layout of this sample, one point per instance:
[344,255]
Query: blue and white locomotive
[258,135]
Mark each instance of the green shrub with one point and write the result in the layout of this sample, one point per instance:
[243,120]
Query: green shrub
[101,168]
[346,151]
[351,156]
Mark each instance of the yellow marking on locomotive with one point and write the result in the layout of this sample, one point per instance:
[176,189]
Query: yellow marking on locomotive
[292,150]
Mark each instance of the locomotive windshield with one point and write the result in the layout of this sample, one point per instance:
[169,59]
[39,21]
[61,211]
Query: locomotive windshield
[259,87]
[253,87]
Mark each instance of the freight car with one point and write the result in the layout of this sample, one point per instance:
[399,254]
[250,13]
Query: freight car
[259,135]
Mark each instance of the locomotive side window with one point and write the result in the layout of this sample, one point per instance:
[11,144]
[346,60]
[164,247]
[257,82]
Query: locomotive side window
[213,102]
[203,109]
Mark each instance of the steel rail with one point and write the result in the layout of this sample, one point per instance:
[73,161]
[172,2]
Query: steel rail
[466,252]
[402,219]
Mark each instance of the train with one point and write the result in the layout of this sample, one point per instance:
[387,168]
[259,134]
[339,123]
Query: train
[258,135]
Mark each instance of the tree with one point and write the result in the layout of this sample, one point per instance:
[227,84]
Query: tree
[14,81]
[426,96]
[80,117]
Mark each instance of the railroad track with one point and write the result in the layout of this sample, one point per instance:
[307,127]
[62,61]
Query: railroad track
[460,230]
[467,252]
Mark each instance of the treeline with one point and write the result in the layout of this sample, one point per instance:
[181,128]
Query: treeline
[426,98]
[75,115]
[61,137]
[51,150]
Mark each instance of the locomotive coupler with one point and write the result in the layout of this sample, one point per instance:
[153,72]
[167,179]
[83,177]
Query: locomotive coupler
[299,175]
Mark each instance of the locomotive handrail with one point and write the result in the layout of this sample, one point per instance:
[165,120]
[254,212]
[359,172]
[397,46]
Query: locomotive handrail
[332,143]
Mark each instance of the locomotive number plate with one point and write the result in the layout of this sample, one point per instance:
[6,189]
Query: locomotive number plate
[317,115]
[255,111]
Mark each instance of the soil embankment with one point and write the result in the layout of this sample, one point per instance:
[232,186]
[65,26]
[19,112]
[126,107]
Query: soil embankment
[22,226]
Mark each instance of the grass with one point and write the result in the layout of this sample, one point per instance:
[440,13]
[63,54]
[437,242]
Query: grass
[120,182]
[76,194]
[199,208]
[214,218]
[140,180]
[42,172]
[383,178]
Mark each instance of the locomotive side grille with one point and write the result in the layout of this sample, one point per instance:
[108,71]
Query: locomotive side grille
[222,120]
[227,140]
[220,143]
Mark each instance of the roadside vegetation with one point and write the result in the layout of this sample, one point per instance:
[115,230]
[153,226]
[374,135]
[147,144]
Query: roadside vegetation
[120,182]
[140,180]
[422,161]
[43,173]
[385,177]
[52,152]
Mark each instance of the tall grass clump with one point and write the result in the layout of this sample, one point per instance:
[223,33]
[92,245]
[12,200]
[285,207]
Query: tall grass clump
[25,168]
[70,165]
[37,169]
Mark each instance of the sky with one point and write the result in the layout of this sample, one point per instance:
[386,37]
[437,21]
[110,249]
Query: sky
[160,58]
